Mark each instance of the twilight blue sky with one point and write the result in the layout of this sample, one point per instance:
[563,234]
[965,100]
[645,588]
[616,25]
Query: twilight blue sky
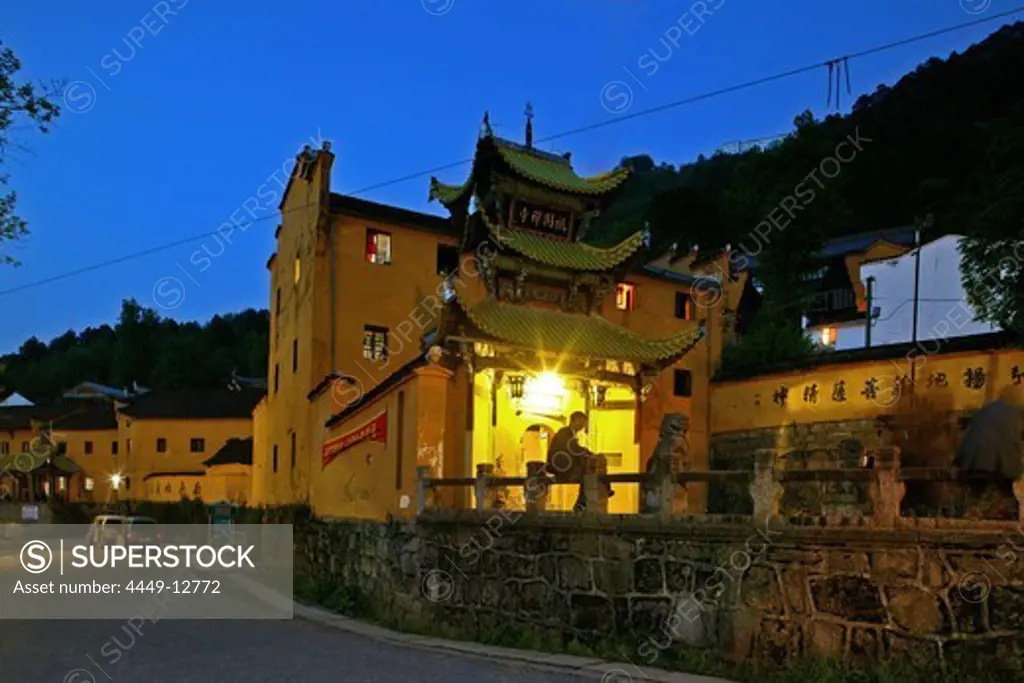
[187,122]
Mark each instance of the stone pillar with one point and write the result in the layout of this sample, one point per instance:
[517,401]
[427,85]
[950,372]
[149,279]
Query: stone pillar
[485,494]
[537,487]
[431,387]
[422,474]
[431,401]
[764,489]
[887,490]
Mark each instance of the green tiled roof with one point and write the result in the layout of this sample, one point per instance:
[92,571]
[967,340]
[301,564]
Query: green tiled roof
[537,165]
[557,173]
[448,194]
[572,255]
[576,333]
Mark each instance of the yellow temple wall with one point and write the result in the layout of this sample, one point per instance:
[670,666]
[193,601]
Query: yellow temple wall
[749,404]
[100,464]
[144,459]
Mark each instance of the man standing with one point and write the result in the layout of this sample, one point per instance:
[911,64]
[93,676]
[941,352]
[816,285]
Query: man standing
[567,457]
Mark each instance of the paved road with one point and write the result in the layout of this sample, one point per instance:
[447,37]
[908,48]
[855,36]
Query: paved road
[230,651]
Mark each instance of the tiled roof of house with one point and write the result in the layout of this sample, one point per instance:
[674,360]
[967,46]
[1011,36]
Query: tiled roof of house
[92,415]
[234,452]
[194,403]
[20,417]
[576,333]
[362,208]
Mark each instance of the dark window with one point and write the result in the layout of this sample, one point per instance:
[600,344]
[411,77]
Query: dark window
[161,445]
[113,447]
[375,342]
[378,247]
[295,355]
[277,377]
[293,451]
[88,447]
[5,447]
[447,259]
[24,447]
[197,445]
[684,306]
[128,446]
[682,383]
[277,302]
[275,458]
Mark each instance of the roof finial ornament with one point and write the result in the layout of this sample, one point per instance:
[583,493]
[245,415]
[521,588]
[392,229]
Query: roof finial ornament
[529,124]
[485,127]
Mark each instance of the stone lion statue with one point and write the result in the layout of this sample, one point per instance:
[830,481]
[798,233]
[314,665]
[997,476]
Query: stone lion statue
[670,455]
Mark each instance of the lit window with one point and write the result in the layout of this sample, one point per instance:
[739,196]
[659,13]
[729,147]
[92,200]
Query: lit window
[378,247]
[298,269]
[375,342]
[828,336]
[624,296]
[197,445]
[90,484]
[62,483]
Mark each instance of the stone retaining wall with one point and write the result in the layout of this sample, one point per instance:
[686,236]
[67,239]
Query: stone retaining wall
[779,592]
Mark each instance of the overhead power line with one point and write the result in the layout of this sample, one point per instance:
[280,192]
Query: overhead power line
[557,136]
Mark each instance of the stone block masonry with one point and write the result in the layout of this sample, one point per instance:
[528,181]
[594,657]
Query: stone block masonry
[926,596]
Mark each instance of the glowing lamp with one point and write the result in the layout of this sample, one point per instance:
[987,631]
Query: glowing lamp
[115,481]
[544,393]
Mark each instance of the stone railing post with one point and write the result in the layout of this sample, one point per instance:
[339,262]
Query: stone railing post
[422,474]
[1018,491]
[593,488]
[484,495]
[537,488]
[887,489]
[764,489]
[665,485]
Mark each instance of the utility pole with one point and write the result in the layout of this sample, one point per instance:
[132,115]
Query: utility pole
[870,303]
[917,280]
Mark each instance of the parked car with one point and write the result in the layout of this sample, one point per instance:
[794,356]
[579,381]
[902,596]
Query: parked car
[122,530]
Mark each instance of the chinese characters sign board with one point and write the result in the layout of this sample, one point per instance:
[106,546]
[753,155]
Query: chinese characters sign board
[528,216]
[374,430]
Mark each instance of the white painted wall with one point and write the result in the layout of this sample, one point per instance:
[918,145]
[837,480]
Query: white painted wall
[943,311]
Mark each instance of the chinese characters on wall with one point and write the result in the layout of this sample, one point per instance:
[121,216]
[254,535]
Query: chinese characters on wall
[528,216]
[877,388]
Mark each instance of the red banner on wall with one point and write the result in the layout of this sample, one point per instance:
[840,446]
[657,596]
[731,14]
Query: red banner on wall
[374,430]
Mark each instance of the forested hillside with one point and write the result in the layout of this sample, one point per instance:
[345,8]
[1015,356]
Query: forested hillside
[144,348]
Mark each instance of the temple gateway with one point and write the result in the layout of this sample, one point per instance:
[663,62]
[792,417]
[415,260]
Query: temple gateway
[530,321]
